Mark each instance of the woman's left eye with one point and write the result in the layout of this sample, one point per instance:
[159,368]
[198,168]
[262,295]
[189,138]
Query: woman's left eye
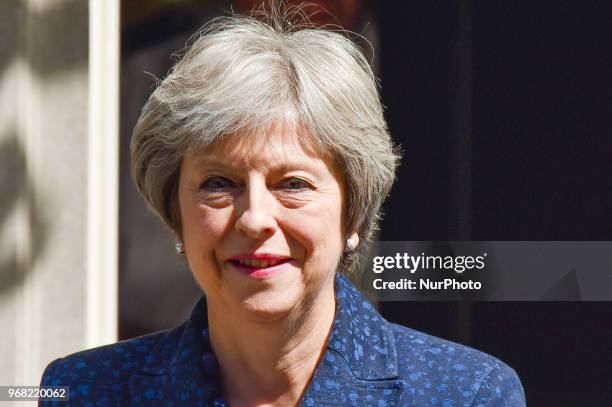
[295,184]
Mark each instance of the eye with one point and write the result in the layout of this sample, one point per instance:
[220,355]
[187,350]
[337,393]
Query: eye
[216,183]
[295,184]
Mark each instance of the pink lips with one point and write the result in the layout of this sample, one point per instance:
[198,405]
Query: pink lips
[255,271]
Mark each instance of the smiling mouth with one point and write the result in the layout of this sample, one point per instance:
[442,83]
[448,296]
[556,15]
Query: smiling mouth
[259,263]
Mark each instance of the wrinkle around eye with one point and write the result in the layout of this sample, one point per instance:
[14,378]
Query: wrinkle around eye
[293,199]
[216,199]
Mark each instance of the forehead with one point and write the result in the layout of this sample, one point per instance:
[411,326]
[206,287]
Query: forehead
[280,147]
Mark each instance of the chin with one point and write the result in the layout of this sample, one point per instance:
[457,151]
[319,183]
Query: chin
[267,307]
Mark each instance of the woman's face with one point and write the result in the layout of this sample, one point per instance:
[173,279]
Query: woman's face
[262,223]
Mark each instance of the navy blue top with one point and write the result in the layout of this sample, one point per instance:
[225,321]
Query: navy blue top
[368,362]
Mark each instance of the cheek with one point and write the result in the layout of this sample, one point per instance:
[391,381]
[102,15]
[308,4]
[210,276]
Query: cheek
[204,227]
[319,229]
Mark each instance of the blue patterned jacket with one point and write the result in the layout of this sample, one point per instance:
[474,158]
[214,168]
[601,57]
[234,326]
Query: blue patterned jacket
[368,362]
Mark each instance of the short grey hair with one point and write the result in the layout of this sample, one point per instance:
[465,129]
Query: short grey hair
[243,73]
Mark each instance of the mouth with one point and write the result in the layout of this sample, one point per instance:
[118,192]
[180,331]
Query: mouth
[259,267]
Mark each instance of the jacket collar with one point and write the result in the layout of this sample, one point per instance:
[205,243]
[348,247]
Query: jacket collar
[361,348]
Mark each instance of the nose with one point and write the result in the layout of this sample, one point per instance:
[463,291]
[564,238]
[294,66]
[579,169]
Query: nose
[256,211]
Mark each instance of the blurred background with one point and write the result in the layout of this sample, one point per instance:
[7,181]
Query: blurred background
[503,109]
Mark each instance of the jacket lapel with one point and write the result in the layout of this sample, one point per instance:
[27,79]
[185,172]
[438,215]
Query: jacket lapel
[359,366]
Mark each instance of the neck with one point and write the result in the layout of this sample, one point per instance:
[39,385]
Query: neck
[271,362]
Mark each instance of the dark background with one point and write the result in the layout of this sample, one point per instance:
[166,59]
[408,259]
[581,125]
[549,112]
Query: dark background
[504,111]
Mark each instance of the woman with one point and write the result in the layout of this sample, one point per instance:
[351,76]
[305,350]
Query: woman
[265,151]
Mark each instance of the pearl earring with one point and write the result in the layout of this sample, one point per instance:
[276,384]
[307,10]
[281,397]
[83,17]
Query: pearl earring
[351,244]
[179,247]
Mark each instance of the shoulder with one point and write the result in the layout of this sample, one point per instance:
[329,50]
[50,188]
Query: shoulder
[423,369]
[444,370]
[103,373]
